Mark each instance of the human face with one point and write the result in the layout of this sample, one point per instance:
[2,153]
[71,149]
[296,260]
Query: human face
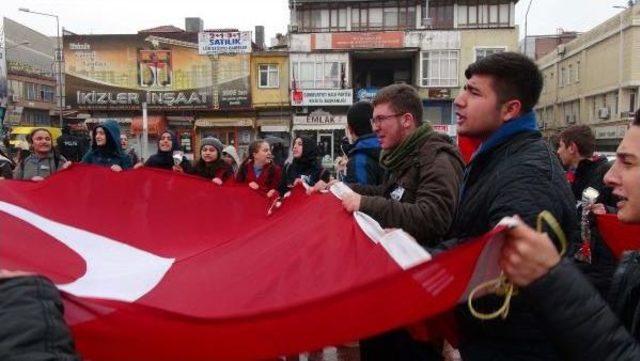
[478,112]
[624,176]
[101,137]
[124,141]
[568,154]
[263,153]
[389,125]
[209,153]
[166,143]
[41,142]
[297,148]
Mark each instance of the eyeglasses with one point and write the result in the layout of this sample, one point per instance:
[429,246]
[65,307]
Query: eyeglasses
[380,118]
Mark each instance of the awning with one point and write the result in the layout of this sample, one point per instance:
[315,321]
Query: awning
[156,124]
[273,124]
[274,128]
[102,120]
[224,122]
[318,126]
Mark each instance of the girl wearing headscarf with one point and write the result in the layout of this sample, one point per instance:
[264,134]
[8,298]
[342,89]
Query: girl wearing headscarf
[258,170]
[6,166]
[230,155]
[43,160]
[305,166]
[210,165]
[164,158]
[105,149]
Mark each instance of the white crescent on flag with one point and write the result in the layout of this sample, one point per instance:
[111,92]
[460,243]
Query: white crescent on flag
[114,270]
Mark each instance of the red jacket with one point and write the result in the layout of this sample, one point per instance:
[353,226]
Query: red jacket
[266,181]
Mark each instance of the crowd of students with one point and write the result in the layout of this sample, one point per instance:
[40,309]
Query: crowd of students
[406,175]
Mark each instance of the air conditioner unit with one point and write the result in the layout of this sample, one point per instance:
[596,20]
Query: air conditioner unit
[292,28]
[15,98]
[603,113]
[427,23]
[561,50]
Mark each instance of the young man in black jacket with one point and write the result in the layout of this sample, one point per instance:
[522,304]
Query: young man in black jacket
[31,323]
[584,169]
[363,166]
[513,172]
[578,320]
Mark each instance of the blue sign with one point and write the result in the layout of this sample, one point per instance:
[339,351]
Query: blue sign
[366,93]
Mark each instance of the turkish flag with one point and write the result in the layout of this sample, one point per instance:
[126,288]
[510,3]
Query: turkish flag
[618,236]
[155,265]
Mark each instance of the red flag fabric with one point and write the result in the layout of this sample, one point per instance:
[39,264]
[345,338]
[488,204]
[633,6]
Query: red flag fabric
[618,236]
[467,147]
[155,265]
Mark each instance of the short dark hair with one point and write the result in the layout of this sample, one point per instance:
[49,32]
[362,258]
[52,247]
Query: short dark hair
[515,76]
[583,138]
[402,98]
[636,119]
[359,118]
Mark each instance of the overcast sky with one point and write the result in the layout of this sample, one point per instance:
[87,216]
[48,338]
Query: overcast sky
[129,16]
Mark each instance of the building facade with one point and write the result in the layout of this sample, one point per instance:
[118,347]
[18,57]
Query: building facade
[594,80]
[344,51]
[31,83]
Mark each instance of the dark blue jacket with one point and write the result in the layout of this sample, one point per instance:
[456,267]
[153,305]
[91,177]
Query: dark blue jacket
[364,166]
[111,153]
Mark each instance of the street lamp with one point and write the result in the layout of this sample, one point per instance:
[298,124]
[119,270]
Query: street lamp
[57,57]
[526,18]
[620,54]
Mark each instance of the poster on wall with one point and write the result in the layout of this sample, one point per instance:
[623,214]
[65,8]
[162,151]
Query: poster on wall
[120,72]
[234,81]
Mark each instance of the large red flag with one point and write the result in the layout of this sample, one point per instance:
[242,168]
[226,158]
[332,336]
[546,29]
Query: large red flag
[618,236]
[159,266]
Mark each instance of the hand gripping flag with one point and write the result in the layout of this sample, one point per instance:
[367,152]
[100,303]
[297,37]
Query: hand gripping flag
[154,265]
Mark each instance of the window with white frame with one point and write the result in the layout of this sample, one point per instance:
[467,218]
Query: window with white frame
[440,68]
[570,74]
[318,74]
[484,52]
[269,76]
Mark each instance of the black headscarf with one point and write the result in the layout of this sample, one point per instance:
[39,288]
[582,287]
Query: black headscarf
[307,165]
[164,159]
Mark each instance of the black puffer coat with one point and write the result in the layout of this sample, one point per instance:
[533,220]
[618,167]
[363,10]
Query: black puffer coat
[518,174]
[580,322]
[31,324]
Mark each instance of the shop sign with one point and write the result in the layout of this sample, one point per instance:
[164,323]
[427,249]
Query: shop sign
[447,129]
[610,132]
[324,97]
[440,93]
[227,42]
[358,40]
[366,93]
[95,99]
[320,117]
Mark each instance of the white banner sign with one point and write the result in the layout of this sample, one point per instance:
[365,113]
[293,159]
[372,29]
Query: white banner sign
[321,97]
[610,132]
[231,42]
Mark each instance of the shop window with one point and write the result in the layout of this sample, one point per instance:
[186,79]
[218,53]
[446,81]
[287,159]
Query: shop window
[269,76]
[484,52]
[440,68]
